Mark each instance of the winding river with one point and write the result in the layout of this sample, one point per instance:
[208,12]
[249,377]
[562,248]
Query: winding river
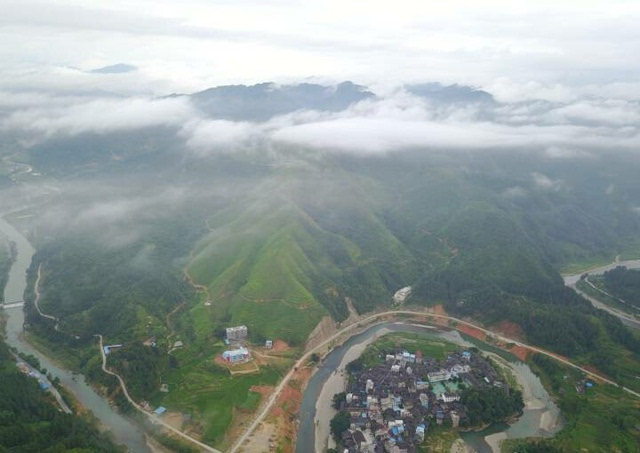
[626,318]
[541,416]
[123,430]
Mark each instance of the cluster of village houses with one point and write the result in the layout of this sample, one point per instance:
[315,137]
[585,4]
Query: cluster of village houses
[392,405]
[32,373]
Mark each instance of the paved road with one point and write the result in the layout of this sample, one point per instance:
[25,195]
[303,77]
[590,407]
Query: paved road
[307,355]
[572,280]
[154,419]
[625,318]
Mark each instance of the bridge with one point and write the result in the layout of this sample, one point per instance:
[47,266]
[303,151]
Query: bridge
[17,304]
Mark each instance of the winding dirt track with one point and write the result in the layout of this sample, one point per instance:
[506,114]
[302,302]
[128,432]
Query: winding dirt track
[52,389]
[152,417]
[36,302]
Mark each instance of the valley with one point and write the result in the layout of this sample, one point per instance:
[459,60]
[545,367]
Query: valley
[157,252]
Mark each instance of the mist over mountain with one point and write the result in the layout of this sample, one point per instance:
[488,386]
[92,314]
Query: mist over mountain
[180,168]
[280,207]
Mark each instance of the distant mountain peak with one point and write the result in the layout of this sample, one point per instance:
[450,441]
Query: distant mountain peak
[264,100]
[450,94]
[119,68]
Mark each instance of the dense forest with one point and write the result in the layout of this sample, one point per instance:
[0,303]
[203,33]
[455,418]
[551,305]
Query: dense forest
[29,421]
[487,406]
[624,284]
[113,291]
[292,244]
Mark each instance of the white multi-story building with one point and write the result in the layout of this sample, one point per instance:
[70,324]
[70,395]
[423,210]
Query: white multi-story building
[237,333]
[437,376]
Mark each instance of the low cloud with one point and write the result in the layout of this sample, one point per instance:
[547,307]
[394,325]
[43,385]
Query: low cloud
[374,135]
[403,121]
[208,136]
[397,121]
[99,115]
[544,182]
[117,213]
[515,192]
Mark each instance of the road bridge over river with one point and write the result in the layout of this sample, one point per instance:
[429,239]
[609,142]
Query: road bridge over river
[9,305]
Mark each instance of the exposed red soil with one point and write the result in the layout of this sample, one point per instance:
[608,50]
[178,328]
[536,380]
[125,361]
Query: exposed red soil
[472,332]
[220,361]
[595,371]
[439,310]
[280,346]
[284,412]
[520,352]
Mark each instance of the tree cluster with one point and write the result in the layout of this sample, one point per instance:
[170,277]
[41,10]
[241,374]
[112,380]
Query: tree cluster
[486,406]
[29,422]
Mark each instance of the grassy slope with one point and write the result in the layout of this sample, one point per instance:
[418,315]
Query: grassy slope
[209,393]
[279,264]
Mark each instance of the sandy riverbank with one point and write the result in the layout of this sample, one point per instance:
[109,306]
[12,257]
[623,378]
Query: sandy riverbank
[460,446]
[531,401]
[336,383]
[494,441]
[534,404]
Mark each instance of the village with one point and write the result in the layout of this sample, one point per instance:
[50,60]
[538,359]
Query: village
[392,405]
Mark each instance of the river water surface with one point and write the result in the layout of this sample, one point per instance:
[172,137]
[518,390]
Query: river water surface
[541,416]
[123,430]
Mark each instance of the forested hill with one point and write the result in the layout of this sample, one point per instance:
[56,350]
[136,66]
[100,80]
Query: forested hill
[624,284]
[274,235]
[278,248]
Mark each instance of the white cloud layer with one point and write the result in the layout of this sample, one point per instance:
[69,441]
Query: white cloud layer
[395,122]
[517,49]
[100,115]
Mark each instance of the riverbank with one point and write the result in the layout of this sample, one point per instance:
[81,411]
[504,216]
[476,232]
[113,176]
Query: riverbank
[541,416]
[572,281]
[123,430]
[336,383]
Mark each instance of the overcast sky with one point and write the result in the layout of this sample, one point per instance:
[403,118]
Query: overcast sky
[566,75]
[511,48]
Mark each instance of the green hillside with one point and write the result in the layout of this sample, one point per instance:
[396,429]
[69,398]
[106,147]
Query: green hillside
[277,246]
[277,265]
